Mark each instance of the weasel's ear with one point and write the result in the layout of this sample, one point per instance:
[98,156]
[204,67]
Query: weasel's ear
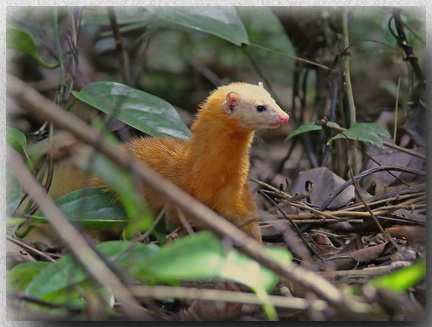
[231,100]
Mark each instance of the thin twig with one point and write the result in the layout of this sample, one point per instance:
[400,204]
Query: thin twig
[122,54]
[289,56]
[153,226]
[30,249]
[385,234]
[186,293]
[184,222]
[293,237]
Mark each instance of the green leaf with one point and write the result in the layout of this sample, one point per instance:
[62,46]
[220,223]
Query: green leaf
[66,273]
[202,256]
[403,278]
[92,208]
[308,127]
[220,21]
[124,15]
[20,40]
[21,275]
[138,109]
[18,141]
[366,132]
[13,192]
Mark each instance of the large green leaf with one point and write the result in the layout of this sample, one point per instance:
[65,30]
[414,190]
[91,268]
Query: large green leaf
[18,141]
[20,40]
[92,208]
[308,127]
[220,21]
[136,108]
[21,275]
[66,272]
[202,256]
[13,192]
[366,132]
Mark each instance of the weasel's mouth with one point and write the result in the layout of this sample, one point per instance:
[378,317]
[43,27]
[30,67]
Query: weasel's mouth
[274,125]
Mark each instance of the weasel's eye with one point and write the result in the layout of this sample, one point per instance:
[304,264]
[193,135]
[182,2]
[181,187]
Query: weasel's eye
[261,108]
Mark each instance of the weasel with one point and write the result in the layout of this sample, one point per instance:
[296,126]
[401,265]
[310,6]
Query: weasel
[213,166]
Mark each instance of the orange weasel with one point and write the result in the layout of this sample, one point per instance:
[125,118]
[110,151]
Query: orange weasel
[213,166]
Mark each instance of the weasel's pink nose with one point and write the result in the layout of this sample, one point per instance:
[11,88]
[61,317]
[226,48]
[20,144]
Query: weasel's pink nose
[284,118]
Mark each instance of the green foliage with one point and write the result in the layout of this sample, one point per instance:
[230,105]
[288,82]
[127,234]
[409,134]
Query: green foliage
[138,109]
[308,127]
[20,40]
[267,31]
[21,275]
[18,141]
[220,21]
[200,256]
[66,282]
[13,194]
[404,278]
[92,208]
[365,132]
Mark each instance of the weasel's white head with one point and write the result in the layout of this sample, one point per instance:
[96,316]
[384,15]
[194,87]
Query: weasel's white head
[253,107]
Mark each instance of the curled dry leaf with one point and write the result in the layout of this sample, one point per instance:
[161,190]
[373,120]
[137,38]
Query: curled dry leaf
[325,183]
[15,254]
[362,256]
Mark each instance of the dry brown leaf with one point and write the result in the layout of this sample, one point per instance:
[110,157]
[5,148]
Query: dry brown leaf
[324,245]
[363,256]
[325,182]
[15,254]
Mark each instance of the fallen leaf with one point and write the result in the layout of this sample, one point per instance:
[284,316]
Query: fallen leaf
[325,183]
[15,254]
[382,180]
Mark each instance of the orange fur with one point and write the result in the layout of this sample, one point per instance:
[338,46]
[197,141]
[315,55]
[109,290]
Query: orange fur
[213,166]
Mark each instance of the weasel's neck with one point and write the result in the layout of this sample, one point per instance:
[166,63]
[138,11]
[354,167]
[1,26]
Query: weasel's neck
[220,152]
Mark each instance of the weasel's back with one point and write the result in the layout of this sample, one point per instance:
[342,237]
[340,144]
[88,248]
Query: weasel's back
[162,154]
